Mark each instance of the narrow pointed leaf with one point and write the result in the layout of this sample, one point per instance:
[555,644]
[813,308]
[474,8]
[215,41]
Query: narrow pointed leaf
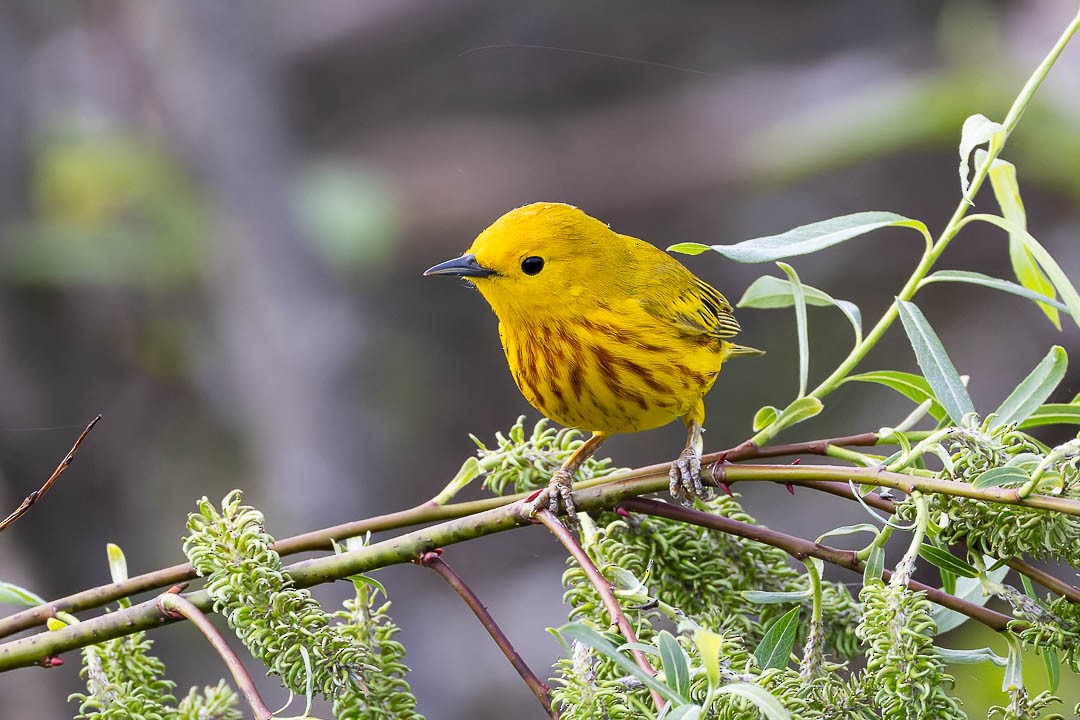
[776,645]
[1007,192]
[762,597]
[970,657]
[947,561]
[804,239]
[971,590]
[849,530]
[588,636]
[1049,266]
[800,324]
[685,712]
[1035,388]
[15,595]
[911,386]
[937,368]
[1053,668]
[768,292]
[975,278]
[1052,414]
[799,410]
[875,564]
[675,663]
[765,701]
[1001,477]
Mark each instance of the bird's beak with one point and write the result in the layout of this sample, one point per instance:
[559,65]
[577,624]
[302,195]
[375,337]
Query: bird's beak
[464,266]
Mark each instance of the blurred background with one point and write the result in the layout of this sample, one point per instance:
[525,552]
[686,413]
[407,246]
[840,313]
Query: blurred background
[214,216]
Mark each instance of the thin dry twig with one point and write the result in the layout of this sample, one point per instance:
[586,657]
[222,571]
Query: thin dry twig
[33,497]
[538,687]
[603,587]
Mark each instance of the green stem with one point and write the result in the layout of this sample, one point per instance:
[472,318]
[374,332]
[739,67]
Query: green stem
[931,254]
[906,565]
[404,548]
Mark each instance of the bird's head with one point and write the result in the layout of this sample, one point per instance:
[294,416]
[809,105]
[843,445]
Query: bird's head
[534,260]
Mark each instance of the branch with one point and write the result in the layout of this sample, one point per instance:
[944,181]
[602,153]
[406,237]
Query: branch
[539,688]
[599,495]
[604,588]
[176,606]
[33,497]
[800,549]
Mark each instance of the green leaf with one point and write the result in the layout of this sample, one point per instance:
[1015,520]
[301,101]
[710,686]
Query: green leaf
[15,595]
[977,129]
[875,564]
[1007,192]
[762,597]
[1052,414]
[1053,668]
[970,657]
[1000,476]
[947,561]
[1035,388]
[800,323]
[805,239]
[971,590]
[675,663]
[765,701]
[764,417]
[117,563]
[1014,674]
[849,530]
[709,645]
[799,410]
[1053,271]
[684,712]
[768,292]
[937,368]
[913,387]
[588,636]
[974,278]
[776,645]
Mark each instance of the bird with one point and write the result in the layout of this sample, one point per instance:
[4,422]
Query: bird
[603,332]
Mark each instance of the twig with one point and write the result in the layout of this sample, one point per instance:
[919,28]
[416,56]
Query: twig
[405,547]
[33,497]
[539,688]
[176,606]
[800,549]
[593,494]
[603,588]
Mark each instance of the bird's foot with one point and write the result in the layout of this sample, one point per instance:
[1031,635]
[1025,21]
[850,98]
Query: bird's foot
[559,492]
[685,477]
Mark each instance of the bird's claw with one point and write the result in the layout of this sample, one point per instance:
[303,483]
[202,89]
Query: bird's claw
[685,477]
[558,492]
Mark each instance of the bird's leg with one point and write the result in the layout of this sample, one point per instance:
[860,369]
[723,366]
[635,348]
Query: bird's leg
[685,473]
[559,490]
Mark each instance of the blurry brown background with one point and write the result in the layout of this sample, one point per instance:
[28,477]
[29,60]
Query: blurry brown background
[215,214]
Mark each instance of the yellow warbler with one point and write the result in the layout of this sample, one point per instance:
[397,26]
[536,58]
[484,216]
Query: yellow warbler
[602,332]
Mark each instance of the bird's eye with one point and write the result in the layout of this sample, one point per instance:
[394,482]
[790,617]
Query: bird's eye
[532,265]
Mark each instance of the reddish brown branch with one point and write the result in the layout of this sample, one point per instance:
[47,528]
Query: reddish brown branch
[603,587]
[800,549]
[33,497]
[175,605]
[539,688]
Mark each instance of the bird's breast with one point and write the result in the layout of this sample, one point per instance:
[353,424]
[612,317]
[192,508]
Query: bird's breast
[608,374]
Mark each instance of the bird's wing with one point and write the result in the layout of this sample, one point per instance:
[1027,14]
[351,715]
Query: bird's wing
[692,305]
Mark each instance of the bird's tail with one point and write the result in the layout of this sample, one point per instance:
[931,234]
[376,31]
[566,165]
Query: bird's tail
[731,350]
